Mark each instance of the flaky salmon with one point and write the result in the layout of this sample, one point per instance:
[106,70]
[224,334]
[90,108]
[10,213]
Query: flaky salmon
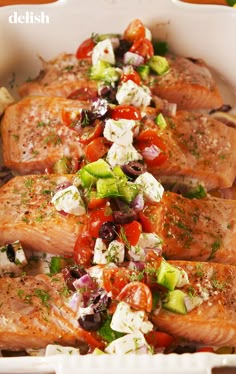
[191,229]
[60,77]
[213,321]
[26,214]
[188,83]
[35,312]
[35,135]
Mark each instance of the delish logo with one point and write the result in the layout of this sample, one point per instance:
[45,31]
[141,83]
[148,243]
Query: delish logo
[29,17]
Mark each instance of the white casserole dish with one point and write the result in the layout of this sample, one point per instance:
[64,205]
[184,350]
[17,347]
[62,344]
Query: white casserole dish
[191,30]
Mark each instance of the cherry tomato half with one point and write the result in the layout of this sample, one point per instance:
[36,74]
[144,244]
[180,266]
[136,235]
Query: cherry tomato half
[143,47]
[132,76]
[138,295]
[132,232]
[205,349]
[96,218]
[85,49]
[91,132]
[159,339]
[114,279]
[126,112]
[134,31]
[83,251]
[69,117]
[145,140]
[96,149]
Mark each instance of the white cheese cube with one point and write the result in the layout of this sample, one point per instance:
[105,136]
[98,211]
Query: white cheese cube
[69,200]
[100,252]
[103,51]
[131,93]
[130,343]
[127,320]
[146,240]
[56,349]
[183,278]
[120,131]
[151,188]
[148,34]
[116,252]
[120,155]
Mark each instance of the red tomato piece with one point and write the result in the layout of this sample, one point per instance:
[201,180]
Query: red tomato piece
[83,94]
[138,295]
[83,249]
[145,140]
[96,218]
[85,49]
[158,339]
[146,222]
[134,31]
[114,279]
[91,132]
[143,47]
[126,112]
[69,117]
[205,349]
[91,338]
[132,76]
[132,232]
[96,149]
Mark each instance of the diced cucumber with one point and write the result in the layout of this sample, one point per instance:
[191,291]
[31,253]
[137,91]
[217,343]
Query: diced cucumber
[159,64]
[175,302]
[101,37]
[87,179]
[128,192]
[99,169]
[118,172]
[160,121]
[107,187]
[143,71]
[58,263]
[104,71]
[168,275]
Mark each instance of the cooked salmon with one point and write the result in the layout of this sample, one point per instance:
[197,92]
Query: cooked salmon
[60,77]
[35,312]
[26,214]
[198,148]
[213,321]
[195,229]
[191,229]
[189,83]
[35,135]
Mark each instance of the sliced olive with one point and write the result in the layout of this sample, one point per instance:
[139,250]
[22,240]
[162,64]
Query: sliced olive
[91,322]
[133,169]
[71,273]
[10,253]
[108,231]
[87,117]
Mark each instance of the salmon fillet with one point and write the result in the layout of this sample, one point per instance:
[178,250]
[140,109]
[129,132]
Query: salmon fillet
[35,136]
[198,148]
[35,312]
[191,229]
[188,83]
[212,322]
[59,77]
[26,214]
[195,229]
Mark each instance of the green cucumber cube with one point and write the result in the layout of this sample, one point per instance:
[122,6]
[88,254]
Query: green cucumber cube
[175,302]
[87,179]
[99,169]
[128,192]
[168,275]
[107,187]
[159,64]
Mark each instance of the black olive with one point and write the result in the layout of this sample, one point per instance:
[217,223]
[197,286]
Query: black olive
[124,217]
[10,253]
[108,231]
[123,48]
[91,322]
[185,349]
[109,93]
[71,273]
[100,300]
[87,117]
[133,169]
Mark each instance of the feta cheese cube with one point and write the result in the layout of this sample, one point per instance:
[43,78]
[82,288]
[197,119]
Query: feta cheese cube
[127,320]
[146,240]
[151,188]
[120,155]
[114,253]
[183,278]
[56,349]
[131,93]
[103,51]
[130,343]
[69,200]
[120,131]
[100,252]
